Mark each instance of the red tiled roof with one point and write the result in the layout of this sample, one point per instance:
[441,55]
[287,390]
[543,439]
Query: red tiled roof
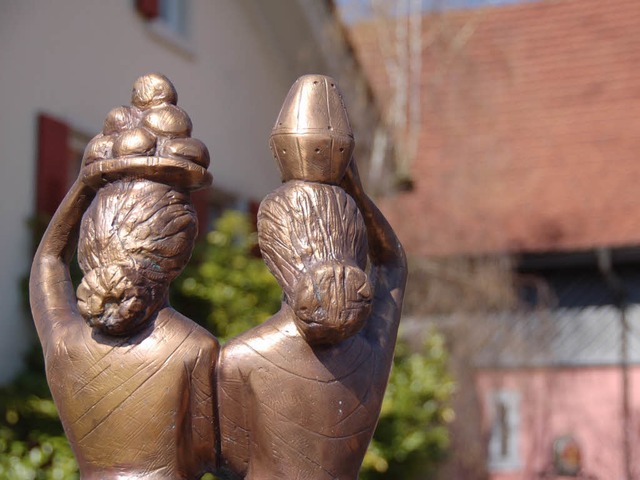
[531,130]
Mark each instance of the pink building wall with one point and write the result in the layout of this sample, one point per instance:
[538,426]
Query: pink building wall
[584,402]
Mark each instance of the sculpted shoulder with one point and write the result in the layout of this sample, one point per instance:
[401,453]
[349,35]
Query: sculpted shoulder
[277,346]
[171,335]
[173,327]
[244,352]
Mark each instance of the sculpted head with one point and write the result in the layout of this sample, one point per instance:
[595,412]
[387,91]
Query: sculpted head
[313,239]
[136,237]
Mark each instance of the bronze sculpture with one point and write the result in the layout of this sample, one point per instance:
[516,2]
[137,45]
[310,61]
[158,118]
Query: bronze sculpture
[131,377]
[300,394]
[140,388]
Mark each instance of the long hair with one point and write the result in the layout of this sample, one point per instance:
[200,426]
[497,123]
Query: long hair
[313,239]
[136,237]
[302,223]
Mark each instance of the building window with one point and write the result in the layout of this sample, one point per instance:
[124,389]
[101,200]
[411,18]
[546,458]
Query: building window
[169,21]
[173,14]
[504,413]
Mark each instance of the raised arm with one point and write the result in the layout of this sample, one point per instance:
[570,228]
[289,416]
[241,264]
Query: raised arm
[385,249]
[51,293]
[389,264]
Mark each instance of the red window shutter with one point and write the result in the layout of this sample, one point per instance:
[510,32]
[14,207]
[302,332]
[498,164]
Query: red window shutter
[200,201]
[149,9]
[52,164]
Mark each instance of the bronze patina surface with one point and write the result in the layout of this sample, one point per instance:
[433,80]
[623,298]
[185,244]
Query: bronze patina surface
[131,377]
[299,396]
[142,391]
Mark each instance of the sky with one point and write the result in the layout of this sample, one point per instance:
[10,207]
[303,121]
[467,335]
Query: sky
[355,10]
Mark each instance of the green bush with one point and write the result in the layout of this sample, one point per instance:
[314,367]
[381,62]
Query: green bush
[226,288]
[412,437]
[32,443]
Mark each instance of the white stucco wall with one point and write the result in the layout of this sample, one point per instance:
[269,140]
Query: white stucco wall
[76,59]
